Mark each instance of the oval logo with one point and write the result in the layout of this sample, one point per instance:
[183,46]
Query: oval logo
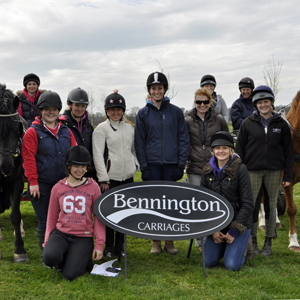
[163,210]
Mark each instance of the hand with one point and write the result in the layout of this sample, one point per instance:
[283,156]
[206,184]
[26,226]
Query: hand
[228,238]
[178,173]
[285,183]
[218,237]
[104,187]
[34,191]
[146,175]
[97,254]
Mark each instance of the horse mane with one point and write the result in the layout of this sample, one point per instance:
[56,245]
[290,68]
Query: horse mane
[7,124]
[294,105]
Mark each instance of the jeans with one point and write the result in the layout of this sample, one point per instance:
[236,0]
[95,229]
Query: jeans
[71,253]
[162,172]
[40,205]
[234,254]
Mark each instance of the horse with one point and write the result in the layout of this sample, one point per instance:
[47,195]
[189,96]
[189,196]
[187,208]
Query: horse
[293,120]
[12,128]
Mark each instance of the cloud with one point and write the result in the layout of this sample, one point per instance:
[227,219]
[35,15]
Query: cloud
[102,45]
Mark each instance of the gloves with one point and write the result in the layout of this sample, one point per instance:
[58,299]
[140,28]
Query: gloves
[178,173]
[146,175]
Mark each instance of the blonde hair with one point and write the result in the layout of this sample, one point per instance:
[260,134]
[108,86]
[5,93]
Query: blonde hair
[204,92]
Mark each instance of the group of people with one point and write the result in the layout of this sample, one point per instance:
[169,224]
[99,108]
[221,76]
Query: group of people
[68,164]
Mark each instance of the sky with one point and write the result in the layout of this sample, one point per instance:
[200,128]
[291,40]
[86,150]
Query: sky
[100,45]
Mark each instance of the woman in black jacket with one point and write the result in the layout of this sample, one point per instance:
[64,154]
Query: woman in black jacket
[226,175]
[265,146]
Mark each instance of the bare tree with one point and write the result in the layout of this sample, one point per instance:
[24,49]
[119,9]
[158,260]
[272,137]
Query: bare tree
[271,74]
[171,93]
[94,106]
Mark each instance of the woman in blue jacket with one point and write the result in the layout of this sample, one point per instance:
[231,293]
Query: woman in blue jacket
[161,140]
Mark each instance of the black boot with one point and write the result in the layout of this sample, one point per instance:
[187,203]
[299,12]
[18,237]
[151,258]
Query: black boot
[41,237]
[267,249]
[255,246]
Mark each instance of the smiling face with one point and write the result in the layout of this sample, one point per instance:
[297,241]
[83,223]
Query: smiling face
[209,87]
[265,108]
[115,113]
[77,171]
[202,104]
[32,87]
[49,115]
[222,153]
[246,92]
[77,109]
[157,91]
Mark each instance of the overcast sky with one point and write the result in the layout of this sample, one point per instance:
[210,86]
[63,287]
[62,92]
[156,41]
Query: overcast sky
[102,45]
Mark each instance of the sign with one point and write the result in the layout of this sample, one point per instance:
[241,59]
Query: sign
[163,210]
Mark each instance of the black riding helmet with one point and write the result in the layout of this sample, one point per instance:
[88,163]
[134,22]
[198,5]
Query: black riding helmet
[77,155]
[157,78]
[246,82]
[221,138]
[115,100]
[31,77]
[49,99]
[78,96]
[208,79]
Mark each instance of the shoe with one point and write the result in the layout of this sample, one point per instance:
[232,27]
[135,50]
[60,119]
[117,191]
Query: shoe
[170,248]
[156,247]
[255,246]
[110,254]
[267,249]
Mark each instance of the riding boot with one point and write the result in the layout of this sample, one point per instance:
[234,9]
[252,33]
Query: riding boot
[267,249]
[156,247]
[170,248]
[255,246]
[41,237]
[249,254]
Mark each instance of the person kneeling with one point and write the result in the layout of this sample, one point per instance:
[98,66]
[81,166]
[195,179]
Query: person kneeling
[226,175]
[70,227]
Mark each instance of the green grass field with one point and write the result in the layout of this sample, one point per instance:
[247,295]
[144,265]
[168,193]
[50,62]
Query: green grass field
[151,277]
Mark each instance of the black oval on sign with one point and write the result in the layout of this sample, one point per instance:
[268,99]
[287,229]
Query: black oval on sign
[164,210]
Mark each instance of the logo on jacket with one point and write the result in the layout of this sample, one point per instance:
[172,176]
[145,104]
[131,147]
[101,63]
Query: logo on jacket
[277,130]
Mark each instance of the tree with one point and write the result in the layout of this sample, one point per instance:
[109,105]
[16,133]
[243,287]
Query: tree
[171,93]
[271,74]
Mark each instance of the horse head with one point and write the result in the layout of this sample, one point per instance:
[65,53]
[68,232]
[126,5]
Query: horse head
[10,134]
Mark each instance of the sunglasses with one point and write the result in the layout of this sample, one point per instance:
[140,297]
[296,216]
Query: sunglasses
[200,102]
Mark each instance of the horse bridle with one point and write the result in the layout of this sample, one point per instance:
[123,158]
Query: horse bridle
[15,151]
[282,115]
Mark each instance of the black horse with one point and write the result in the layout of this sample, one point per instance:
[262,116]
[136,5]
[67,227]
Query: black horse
[11,170]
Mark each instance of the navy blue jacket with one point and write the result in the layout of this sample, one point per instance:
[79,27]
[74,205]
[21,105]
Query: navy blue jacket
[161,136]
[241,109]
[51,164]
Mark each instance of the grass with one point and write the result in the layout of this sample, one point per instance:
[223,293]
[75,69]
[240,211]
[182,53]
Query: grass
[151,277]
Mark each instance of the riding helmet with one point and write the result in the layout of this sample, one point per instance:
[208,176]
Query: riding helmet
[208,79]
[221,138]
[49,99]
[78,96]
[157,78]
[31,77]
[115,100]
[262,92]
[246,82]
[77,155]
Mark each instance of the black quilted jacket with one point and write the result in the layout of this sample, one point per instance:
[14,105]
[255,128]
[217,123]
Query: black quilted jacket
[235,186]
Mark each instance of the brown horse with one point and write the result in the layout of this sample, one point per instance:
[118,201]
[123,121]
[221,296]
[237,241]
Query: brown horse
[293,118]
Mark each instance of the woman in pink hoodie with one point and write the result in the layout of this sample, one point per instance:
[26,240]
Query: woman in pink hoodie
[70,229]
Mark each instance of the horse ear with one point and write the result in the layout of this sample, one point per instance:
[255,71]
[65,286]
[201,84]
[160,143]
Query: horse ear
[16,102]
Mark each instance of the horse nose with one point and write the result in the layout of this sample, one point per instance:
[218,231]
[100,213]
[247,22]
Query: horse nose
[7,166]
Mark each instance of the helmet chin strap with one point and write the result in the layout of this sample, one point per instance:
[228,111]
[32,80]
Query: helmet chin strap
[74,176]
[74,115]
